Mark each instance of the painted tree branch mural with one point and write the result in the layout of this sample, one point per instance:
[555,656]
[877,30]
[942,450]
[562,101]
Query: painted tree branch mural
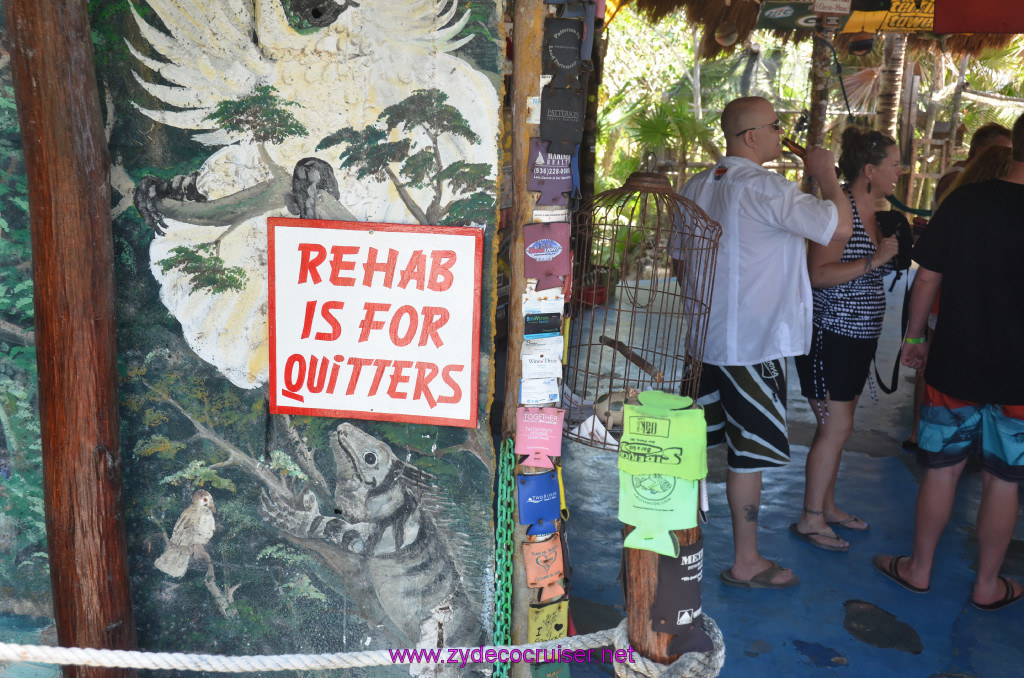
[388,150]
[370,519]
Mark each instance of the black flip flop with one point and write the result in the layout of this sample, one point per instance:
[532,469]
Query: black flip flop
[1008,597]
[892,571]
[809,538]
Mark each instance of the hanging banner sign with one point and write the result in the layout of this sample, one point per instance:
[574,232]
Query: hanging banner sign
[787,15]
[374,321]
[979,16]
[832,6]
[904,16]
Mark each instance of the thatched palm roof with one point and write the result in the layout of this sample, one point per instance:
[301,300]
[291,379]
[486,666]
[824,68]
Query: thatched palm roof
[743,14]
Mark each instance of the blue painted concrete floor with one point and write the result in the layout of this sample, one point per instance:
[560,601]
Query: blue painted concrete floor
[800,631]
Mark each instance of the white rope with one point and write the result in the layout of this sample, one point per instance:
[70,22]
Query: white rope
[131,659]
[689,665]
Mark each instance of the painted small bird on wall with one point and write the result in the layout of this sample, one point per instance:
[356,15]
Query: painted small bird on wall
[192,531]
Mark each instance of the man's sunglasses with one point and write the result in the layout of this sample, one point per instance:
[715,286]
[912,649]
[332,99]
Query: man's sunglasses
[776,125]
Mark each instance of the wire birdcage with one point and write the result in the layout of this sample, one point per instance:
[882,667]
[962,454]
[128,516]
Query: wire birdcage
[638,309]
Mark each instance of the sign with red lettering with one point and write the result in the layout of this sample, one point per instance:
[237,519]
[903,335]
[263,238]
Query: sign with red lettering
[375,321]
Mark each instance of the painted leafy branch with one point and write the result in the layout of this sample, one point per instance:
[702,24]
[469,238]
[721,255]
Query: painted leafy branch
[262,114]
[458,192]
[205,268]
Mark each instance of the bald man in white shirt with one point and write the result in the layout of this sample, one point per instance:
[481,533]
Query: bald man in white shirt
[760,308]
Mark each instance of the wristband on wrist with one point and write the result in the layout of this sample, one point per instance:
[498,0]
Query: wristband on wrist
[914,340]
[867,264]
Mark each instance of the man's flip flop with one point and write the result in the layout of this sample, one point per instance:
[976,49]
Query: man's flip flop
[761,580]
[847,524]
[809,538]
[1009,597]
[892,571]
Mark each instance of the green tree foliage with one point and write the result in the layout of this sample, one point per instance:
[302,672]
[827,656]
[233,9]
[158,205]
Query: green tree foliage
[658,97]
[262,114]
[393,149]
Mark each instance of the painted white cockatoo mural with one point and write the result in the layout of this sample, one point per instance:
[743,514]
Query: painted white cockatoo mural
[365,116]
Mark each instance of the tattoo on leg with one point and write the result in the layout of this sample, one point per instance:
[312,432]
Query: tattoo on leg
[750,513]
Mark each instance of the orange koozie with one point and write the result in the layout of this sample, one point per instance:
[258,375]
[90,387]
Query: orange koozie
[544,567]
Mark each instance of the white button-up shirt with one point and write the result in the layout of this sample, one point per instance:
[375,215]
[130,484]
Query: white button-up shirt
[761,304]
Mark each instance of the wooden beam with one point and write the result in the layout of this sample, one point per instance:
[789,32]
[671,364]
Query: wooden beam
[527,43]
[68,166]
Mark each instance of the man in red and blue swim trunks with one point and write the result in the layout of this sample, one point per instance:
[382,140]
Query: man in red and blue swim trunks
[974,403]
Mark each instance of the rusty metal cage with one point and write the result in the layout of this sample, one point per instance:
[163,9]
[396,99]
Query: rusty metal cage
[640,301]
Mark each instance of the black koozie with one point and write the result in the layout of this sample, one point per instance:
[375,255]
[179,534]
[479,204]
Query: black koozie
[677,603]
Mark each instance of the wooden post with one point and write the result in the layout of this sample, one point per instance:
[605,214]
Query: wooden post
[891,83]
[954,116]
[527,42]
[640,574]
[818,109]
[73,270]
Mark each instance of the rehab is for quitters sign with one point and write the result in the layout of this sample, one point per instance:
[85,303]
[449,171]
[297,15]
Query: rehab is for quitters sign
[374,321]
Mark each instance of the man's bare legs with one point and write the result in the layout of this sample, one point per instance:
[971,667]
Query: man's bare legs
[997,516]
[743,491]
[934,507]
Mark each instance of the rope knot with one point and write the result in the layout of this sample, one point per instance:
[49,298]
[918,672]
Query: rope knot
[689,665]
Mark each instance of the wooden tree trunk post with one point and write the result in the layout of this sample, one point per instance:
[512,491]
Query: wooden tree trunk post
[640,574]
[820,67]
[954,115]
[891,83]
[72,257]
[527,41]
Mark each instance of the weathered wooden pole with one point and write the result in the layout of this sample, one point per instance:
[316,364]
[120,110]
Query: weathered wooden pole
[640,574]
[68,167]
[821,56]
[890,85]
[527,42]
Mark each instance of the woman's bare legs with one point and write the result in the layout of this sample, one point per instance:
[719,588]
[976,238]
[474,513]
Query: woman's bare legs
[822,470]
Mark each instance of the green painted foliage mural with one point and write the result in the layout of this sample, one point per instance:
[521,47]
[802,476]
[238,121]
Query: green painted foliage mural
[24,570]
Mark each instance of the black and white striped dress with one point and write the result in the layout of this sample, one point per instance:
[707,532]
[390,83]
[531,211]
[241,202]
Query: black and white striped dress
[854,309]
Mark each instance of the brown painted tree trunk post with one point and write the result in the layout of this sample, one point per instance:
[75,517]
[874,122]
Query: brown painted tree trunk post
[527,41]
[640,577]
[72,257]
[890,83]
[818,109]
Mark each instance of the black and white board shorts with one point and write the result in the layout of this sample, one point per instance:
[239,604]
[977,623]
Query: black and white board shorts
[745,406]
